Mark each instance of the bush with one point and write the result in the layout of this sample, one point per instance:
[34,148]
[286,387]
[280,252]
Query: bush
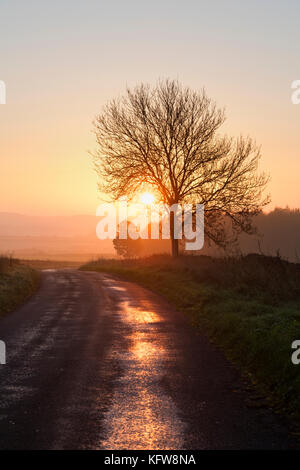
[6,263]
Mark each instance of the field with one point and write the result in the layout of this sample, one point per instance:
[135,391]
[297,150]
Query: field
[51,264]
[249,307]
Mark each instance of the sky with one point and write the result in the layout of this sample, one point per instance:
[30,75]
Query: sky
[63,60]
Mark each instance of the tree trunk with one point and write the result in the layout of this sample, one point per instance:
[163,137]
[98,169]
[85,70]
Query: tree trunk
[174,241]
[175,250]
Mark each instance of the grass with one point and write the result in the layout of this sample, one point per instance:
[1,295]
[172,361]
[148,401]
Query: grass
[17,283]
[250,307]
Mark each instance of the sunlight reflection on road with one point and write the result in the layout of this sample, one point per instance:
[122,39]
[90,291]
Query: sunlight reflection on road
[142,415]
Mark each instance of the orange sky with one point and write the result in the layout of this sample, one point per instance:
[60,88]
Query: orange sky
[61,65]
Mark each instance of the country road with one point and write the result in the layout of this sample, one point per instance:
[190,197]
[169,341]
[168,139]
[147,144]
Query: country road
[98,363]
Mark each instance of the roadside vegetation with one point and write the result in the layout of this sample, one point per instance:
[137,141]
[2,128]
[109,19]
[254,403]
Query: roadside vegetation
[17,283]
[249,306]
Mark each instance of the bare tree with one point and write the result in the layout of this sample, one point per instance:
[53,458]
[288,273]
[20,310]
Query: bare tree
[167,137]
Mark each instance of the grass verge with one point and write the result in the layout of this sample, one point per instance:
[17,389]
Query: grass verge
[17,283]
[249,307]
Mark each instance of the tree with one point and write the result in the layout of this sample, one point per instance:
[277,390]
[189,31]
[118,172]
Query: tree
[127,248]
[167,137]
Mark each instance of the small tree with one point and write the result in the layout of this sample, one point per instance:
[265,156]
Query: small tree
[167,137]
[127,248]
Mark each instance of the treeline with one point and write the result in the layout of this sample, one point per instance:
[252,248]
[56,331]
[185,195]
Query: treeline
[278,234]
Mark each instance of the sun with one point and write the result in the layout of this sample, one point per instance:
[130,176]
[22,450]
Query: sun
[147,198]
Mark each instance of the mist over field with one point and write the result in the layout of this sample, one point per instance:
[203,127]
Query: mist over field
[74,238]
[70,238]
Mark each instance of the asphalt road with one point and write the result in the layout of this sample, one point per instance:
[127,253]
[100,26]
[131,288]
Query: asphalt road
[98,363]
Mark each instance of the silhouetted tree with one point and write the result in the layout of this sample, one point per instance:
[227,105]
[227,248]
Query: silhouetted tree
[167,137]
[127,248]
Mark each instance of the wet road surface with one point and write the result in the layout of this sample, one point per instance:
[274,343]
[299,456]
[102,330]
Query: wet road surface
[98,363]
